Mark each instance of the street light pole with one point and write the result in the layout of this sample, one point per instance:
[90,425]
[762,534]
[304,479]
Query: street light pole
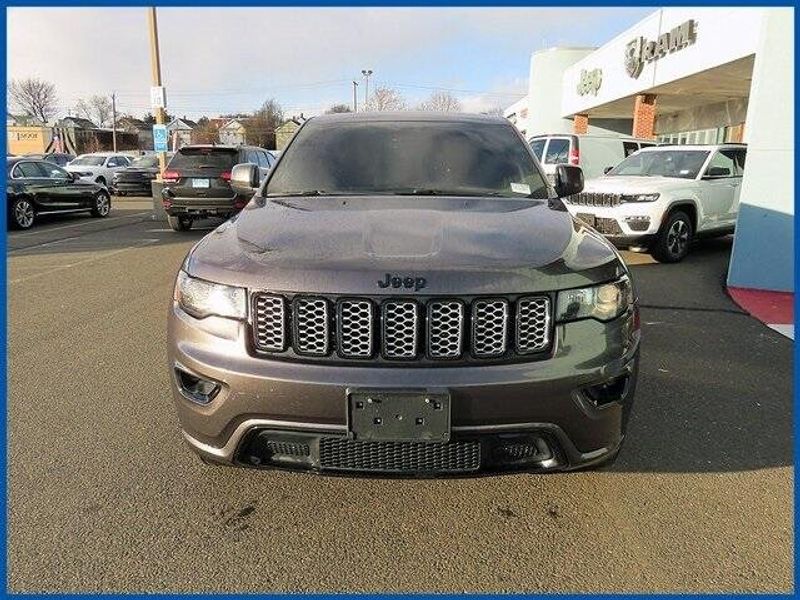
[114,119]
[355,96]
[155,64]
[366,73]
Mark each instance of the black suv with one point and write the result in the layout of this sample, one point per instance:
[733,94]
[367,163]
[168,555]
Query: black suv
[197,182]
[405,294]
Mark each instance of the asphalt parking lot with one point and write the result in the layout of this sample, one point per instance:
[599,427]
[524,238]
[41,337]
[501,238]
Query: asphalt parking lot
[104,495]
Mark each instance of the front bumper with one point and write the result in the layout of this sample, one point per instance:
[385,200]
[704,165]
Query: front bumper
[143,187]
[263,403]
[626,224]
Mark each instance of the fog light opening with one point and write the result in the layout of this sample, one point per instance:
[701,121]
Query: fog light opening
[515,449]
[638,223]
[610,391]
[195,388]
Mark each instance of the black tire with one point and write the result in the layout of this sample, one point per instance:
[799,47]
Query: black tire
[102,205]
[179,223]
[21,214]
[673,239]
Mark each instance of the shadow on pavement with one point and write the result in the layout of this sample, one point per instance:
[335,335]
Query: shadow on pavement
[715,389]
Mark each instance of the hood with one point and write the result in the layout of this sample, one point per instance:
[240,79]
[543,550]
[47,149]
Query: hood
[458,245]
[632,185]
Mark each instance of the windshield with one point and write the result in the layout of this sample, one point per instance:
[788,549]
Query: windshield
[145,162]
[94,161]
[684,164]
[407,158]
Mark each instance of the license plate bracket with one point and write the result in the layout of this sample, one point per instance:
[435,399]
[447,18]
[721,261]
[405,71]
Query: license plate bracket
[399,415]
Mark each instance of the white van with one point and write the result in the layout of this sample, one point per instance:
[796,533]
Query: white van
[591,152]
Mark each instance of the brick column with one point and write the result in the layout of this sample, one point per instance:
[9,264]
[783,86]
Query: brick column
[644,116]
[580,124]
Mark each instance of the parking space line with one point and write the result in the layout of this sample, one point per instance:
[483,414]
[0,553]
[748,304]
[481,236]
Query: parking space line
[86,222]
[83,262]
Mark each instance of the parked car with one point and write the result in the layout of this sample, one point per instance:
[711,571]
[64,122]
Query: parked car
[197,182]
[60,158]
[661,198]
[381,310]
[99,167]
[35,187]
[136,179]
[592,153]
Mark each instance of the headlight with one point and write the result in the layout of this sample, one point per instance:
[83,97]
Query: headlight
[639,197]
[202,298]
[601,302]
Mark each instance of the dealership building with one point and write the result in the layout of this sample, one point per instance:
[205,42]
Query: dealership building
[691,76]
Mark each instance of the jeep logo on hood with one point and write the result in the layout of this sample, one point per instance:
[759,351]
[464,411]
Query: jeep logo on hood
[397,281]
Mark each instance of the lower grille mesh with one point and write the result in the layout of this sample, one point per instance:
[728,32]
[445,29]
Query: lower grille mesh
[399,457]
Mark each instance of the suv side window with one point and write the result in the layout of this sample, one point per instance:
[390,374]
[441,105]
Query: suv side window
[722,165]
[741,156]
[267,159]
[629,148]
[28,170]
[53,171]
[557,151]
[115,161]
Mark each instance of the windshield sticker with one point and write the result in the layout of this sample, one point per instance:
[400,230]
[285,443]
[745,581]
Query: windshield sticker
[520,188]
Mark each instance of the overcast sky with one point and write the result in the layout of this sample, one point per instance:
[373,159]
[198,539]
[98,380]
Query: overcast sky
[221,60]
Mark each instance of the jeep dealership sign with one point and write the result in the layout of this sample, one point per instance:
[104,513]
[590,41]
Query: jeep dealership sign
[640,50]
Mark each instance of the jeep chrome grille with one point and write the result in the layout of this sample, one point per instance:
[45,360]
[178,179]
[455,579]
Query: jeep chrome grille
[595,199]
[311,326]
[489,327]
[270,323]
[402,329]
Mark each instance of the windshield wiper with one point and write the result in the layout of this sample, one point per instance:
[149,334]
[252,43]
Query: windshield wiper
[439,192]
[302,193]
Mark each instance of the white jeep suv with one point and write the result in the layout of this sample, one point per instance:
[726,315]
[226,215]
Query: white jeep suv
[662,197]
[99,167]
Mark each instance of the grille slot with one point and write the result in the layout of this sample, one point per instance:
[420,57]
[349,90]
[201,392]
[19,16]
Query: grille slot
[445,328]
[311,326]
[399,457]
[400,329]
[270,323]
[595,199]
[354,333]
[489,327]
[533,324]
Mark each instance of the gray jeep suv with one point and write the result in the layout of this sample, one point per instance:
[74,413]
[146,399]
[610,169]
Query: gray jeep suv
[405,294]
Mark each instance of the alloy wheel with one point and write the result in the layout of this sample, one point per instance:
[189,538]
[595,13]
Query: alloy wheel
[23,213]
[678,237]
[102,205]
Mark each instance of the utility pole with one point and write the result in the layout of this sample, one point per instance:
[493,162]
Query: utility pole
[366,73]
[355,96]
[155,63]
[114,119]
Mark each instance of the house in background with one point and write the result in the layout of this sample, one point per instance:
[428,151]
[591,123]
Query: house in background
[75,123]
[23,121]
[142,130]
[233,132]
[285,132]
[180,132]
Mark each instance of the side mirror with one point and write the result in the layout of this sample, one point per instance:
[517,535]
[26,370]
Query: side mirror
[245,179]
[717,172]
[606,170]
[569,180]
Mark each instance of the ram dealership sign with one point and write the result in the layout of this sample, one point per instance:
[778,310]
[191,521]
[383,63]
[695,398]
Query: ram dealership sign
[590,81]
[640,50]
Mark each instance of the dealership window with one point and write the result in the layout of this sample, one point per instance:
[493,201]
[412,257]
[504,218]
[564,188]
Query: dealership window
[557,151]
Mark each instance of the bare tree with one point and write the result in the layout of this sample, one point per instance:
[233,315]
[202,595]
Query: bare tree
[205,132]
[34,97]
[338,108]
[441,102]
[95,108]
[496,111]
[385,99]
[262,125]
